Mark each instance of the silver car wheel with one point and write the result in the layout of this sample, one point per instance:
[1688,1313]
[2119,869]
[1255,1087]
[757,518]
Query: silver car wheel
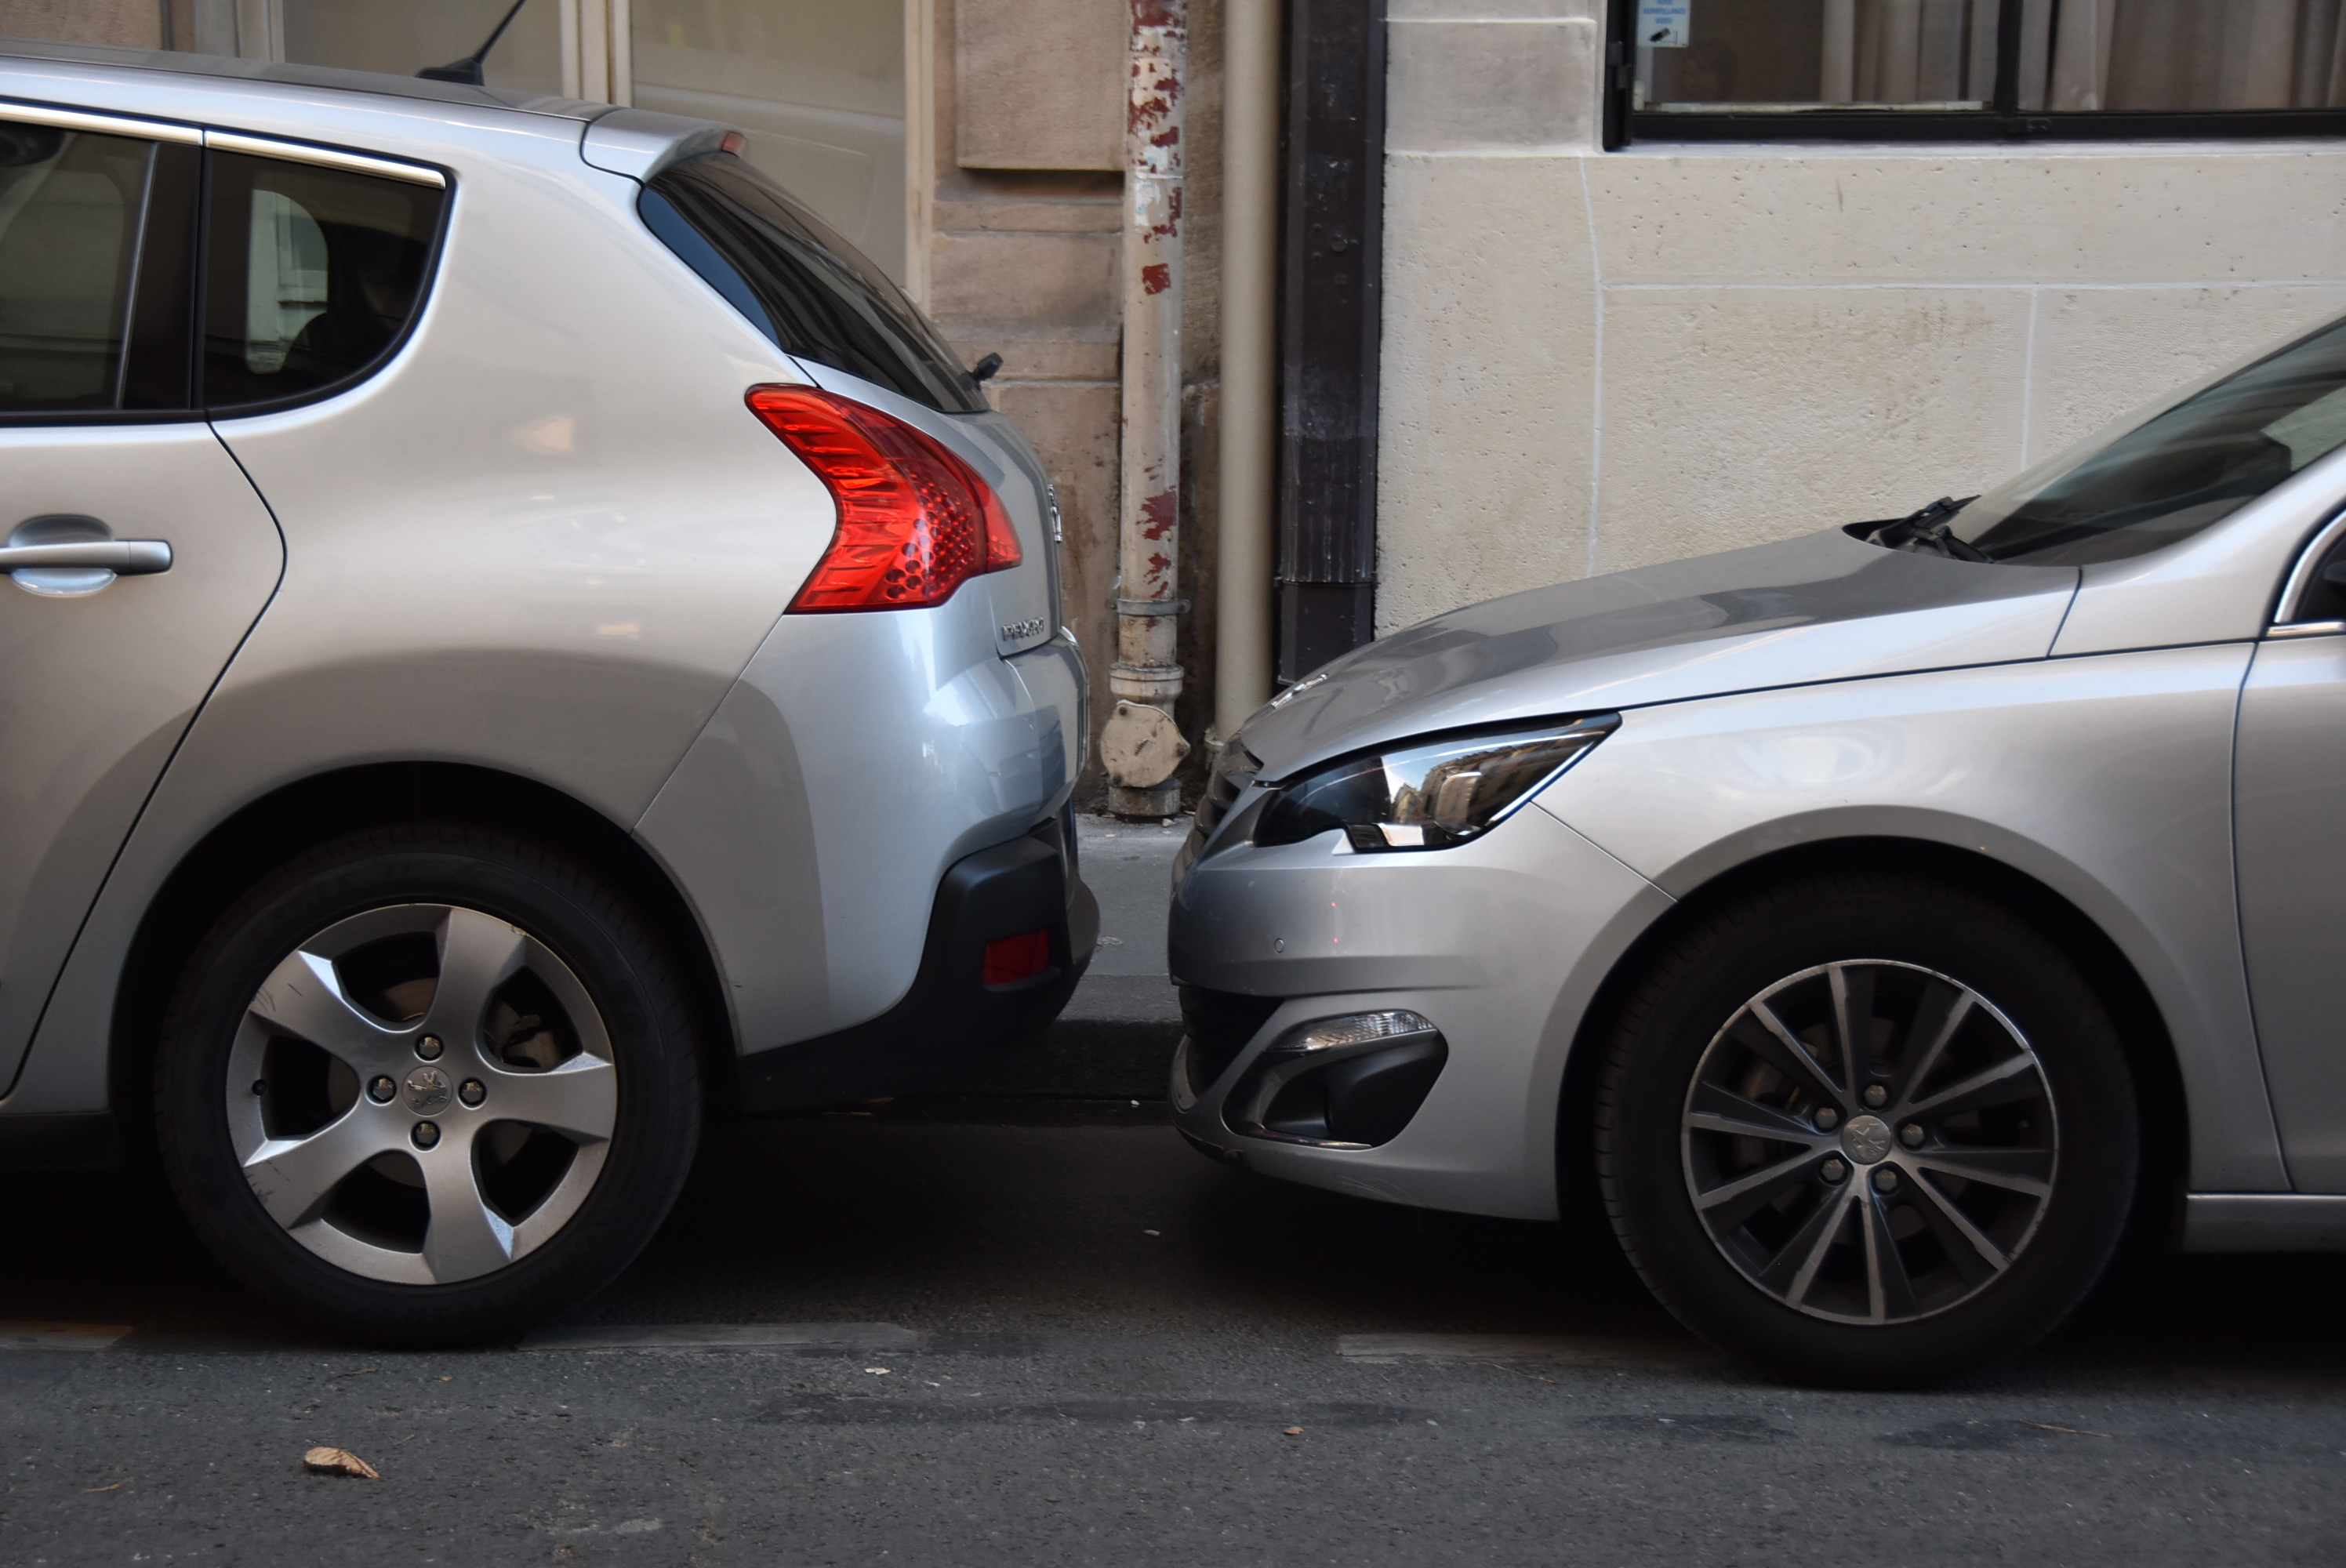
[422,1094]
[1869,1142]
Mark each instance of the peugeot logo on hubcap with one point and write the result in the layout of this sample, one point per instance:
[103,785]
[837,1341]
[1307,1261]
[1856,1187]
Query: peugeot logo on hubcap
[427,1095]
[1867,1138]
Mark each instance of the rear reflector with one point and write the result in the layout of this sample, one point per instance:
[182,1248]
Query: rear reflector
[1016,958]
[914,523]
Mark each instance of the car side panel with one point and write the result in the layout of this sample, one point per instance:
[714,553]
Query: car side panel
[545,538]
[2108,779]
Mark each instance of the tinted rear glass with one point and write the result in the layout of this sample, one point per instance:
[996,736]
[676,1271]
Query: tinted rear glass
[800,283]
[313,274]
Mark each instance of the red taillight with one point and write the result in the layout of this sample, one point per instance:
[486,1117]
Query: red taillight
[913,521]
[1016,958]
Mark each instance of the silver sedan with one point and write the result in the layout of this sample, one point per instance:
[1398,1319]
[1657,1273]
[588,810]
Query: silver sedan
[1886,923]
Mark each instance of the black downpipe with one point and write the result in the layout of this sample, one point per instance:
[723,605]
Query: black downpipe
[1329,329]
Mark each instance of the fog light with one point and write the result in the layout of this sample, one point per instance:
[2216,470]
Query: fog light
[1348,1082]
[1016,958]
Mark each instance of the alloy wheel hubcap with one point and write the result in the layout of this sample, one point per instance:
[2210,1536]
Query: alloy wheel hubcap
[422,1094]
[1869,1142]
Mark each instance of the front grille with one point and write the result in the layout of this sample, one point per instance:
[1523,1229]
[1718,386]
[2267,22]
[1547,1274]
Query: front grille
[1219,1024]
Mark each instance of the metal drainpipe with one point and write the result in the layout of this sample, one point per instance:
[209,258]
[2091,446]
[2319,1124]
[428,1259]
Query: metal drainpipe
[1242,564]
[1140,744]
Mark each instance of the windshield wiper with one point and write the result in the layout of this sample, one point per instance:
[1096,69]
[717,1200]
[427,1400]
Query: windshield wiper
[1926,531]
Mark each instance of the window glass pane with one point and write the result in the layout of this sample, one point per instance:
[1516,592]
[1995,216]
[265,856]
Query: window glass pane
[69,206]
[285,280]
[2170,54]
[2168,478]
[1806,54]
[817,296]
[314,273]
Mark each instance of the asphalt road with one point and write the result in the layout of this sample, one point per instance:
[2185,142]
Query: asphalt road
[1086,1344]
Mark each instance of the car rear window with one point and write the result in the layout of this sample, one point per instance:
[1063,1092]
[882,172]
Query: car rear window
[800,283]
[313,275]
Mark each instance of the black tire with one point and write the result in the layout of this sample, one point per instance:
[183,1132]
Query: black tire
[587,1045]
[1781,1269]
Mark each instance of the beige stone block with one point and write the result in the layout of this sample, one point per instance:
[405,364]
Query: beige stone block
[1030,285]
[1044,359]
[1487,384]
[1039,84]
[2152,212]
[133,24]
[2102,353]
[1467,86]
[1735,416]
[1067,215]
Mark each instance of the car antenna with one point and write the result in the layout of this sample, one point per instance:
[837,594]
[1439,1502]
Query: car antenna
[468,69]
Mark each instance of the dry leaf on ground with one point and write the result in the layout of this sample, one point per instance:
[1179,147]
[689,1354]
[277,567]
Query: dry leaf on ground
[337,1461]
[1291,1432]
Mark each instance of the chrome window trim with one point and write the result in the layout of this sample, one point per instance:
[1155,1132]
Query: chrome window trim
[2307,629]
[105,125]
[325,158]
[2286,623]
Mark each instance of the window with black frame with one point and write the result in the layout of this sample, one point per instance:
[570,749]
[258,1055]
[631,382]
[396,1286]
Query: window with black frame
[1948,69]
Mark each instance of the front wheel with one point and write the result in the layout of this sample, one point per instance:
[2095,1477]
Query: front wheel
[427,1085]
[1867,1131]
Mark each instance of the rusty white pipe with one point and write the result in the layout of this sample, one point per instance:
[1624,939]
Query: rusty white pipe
[1140,744]
[1249,433]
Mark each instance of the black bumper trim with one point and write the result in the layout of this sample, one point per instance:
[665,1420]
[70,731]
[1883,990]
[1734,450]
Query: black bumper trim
[950,1017]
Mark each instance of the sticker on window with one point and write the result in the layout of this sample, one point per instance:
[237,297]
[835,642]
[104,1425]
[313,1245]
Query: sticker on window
[1662,23]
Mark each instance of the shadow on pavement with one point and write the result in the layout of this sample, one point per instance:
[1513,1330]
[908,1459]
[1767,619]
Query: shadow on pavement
[1010,1235]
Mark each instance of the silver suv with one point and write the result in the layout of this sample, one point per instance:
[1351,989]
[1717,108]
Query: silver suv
[519,637]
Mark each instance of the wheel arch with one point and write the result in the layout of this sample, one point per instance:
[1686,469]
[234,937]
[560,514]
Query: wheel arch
[2141,1026]
[268,831]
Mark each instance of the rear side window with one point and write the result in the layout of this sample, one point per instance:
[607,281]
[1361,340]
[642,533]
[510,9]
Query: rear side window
[312,276]
[70,208]
[800,283]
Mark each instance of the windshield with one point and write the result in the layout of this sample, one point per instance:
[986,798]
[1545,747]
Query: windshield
[2197,463]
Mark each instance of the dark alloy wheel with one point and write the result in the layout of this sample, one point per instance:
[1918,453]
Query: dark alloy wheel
[427,1084]
[1867,1131]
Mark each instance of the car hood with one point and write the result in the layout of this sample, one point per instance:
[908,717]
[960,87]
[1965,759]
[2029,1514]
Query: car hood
[1825,606]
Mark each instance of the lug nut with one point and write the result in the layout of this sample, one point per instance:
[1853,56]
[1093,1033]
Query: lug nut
[471,1091]
[1911,1134]
[261,1086]
[1885,1179]
[428,1048]
[425,1136]
[1827,1119]
[1875,1095]
[1834,1172]
[381,1091]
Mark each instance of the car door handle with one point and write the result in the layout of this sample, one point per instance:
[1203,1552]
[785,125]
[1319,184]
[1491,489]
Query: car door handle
[122,557]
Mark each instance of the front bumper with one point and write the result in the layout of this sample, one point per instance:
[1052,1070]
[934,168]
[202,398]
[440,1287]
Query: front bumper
[952,1016]
[1500,944]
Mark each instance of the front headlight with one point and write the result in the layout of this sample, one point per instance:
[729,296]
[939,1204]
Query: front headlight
[1428,794]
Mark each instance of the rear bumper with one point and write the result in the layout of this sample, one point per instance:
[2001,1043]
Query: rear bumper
[950,1016]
